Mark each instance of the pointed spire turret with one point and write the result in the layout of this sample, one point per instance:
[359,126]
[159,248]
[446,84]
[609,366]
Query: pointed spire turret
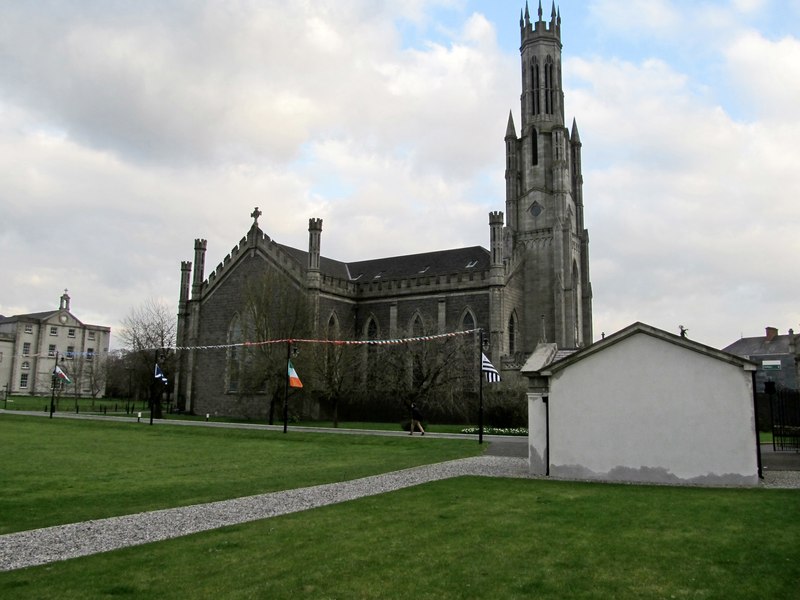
[575,136]
[540,10]
[511,131]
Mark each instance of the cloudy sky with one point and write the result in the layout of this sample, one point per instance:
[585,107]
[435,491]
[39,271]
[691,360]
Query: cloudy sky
[128,129]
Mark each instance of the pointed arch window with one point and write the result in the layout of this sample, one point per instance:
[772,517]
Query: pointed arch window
[372,329]
[537,108]
[417,326]
[548,86]
[333,327]
[234,366]
[576,305]
[512,333]
[372,372]
[467,321]
[534,147]
[333,352]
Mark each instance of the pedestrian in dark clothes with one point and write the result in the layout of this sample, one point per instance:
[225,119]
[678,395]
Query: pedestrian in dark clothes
[416,419]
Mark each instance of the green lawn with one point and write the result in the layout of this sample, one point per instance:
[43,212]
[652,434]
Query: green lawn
[468,538]
[66,470]
[461,538]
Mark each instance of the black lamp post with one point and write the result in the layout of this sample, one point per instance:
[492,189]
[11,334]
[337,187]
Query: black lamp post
[54,384]
[484,346]
[155,389]
[290,352]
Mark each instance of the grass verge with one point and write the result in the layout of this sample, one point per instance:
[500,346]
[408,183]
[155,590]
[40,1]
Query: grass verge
[65,470]
[468,538]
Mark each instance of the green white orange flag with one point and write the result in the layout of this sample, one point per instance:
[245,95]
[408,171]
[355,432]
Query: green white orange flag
[294,380]
[60,373]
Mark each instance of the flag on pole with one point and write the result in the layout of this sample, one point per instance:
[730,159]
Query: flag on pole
[294,380]
[61,374]
[159,374]
[492,376]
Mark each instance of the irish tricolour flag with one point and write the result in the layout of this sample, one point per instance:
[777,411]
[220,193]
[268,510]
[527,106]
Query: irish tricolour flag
[59,372]
[294,380]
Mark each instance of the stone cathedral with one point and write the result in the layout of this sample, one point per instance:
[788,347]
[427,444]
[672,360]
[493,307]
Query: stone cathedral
[531,285]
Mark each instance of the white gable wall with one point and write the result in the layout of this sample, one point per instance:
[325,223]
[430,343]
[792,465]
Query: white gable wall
[644,409]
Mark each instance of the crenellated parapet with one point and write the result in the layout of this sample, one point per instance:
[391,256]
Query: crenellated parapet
[540,27]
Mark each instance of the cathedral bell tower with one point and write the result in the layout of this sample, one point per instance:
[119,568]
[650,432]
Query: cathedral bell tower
[544,233]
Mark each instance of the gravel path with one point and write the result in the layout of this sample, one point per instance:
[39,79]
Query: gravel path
[51,544]
[41,546]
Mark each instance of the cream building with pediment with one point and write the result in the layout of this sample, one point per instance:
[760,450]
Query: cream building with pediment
[31,343]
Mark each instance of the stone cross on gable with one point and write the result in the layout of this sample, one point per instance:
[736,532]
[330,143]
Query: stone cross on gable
[255,214]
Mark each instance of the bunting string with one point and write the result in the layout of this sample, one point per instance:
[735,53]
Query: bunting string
[249,344]
[388,342]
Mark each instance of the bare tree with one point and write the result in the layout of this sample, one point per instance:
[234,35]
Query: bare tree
[335,368]
[149,326]
[146,331]
[275,308]
[430,372]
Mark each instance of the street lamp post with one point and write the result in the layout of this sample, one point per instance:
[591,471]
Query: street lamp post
[484,346]
[53,385]
[290,352]
[155,386]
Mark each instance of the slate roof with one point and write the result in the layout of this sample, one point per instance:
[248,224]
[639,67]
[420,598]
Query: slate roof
[40,316]
[441,262]
[327,266]
[759,346]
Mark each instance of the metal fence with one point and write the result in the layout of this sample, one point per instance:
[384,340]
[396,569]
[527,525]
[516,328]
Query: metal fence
[785,412]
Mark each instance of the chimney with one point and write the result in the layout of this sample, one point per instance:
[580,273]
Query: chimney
[771,333]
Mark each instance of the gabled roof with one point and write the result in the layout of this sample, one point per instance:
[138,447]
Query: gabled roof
[642,328]
[759,346]
[441,262]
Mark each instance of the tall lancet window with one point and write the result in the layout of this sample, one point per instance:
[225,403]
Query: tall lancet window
[234,354]
[373,364]
[512,334]
[537,107]
[576,304]
[548,86]
[534,147]
[467,321]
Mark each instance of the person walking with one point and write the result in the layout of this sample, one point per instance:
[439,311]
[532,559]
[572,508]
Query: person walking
[416,419]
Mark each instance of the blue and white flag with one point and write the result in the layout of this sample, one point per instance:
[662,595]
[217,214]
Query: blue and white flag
[159,374]
[492,376]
